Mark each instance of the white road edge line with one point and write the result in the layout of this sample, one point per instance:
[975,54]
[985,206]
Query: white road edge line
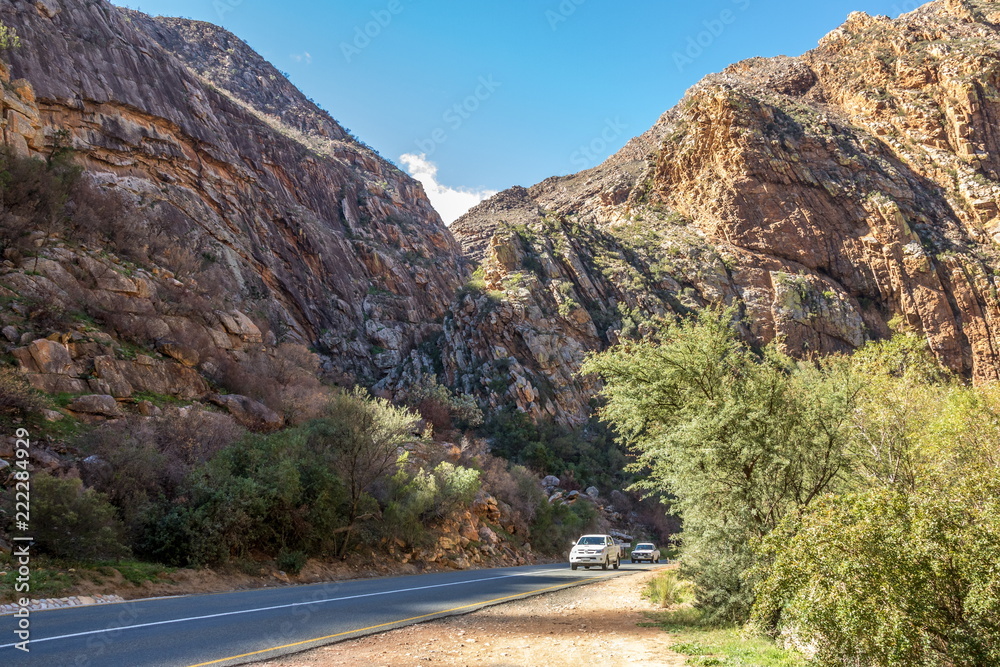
[282,606]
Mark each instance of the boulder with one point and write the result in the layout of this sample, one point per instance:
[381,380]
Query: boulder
[48,383]
[468,530]
[45,459]
[593,492]
[154,376]
[487,536]
[252,414]
[106,369]
[551,482]
[10,333]
[45,356]
[185,355]
[47,8]
[52,415]
[102,405]
[147,409]
[238,324]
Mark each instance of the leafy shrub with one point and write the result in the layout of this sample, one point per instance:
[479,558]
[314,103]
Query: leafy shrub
[590,453]
[263,494]
[890,579]
[148,461]
[556,525]
[515,486]
[68,521]
[421,497]
[17,399]
[440,406]
[292,561]
[33,196]
[9,39]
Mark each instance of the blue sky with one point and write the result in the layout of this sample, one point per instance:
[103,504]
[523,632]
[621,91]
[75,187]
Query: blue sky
[500,93]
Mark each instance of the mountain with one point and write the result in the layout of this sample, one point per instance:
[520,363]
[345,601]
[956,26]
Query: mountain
[300,231]
[831,197]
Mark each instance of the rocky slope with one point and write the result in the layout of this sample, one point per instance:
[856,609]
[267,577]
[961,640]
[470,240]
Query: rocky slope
[832,197]
[309,234]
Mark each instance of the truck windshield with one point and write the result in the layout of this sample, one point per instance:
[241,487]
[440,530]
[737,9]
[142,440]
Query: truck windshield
[591,540]
[644,547]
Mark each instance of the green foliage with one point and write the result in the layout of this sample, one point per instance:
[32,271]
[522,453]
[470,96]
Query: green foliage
[891,579]
[360,437]
[33,196]
[902,571]
[271,493]
[292,561]
[17,400]
[590,453]
[68,521]
[9,39]
[851,503]
[735,439]
[420,497]
[556,525]
[439,405]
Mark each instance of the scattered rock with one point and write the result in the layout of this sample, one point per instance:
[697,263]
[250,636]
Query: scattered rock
[10,333]
[45,356]
[593,492]
[96,404]
[52,415]
[250,413]
[147,409]
[185,355]
[45,459]
[48,8]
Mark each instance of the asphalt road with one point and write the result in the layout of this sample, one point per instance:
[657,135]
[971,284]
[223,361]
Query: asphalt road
[242,627]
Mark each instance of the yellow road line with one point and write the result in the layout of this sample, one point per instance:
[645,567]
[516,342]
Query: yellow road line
[382,625]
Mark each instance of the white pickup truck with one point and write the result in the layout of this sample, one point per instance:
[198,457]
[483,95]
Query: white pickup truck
[593,550]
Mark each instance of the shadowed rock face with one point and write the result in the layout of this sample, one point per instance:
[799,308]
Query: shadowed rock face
[825,195]
[328,242]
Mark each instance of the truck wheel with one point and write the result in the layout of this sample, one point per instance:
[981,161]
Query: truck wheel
[572,566]
[617,563]
[604,565]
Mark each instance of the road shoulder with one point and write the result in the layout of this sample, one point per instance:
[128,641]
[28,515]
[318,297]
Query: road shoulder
[553,629]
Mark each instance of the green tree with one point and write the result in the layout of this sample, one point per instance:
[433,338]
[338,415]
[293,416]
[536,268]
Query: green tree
[889,578]
[69,521]
[360,437]
[737,440]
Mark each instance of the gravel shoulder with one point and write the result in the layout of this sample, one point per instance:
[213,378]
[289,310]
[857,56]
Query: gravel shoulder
[566,627]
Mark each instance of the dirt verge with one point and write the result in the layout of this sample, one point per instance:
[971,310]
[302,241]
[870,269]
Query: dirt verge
[579,625]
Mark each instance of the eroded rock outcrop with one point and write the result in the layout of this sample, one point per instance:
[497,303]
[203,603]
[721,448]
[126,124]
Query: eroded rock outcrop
[827,196]
[307,227]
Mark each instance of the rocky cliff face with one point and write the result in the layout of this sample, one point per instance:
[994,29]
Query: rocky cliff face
[311,234]
[832,197]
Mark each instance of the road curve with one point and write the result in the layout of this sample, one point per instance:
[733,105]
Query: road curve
[236,628]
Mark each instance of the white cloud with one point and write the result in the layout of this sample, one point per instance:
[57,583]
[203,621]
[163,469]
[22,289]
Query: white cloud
[451,203]
[305,57]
